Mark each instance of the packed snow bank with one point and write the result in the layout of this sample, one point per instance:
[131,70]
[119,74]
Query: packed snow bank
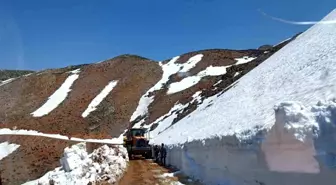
[240,139]
[6,149]
[99,98]
[58,96]
[298,150]
[289,145]
[105,164]
[190,81]
[6,131]
[168,69]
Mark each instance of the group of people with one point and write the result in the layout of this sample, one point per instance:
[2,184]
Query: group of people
[160,154]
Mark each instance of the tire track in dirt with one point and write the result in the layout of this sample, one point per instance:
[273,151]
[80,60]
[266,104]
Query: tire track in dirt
[142,172]
[146,172]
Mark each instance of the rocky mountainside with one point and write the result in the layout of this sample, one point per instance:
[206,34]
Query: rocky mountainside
[100,100]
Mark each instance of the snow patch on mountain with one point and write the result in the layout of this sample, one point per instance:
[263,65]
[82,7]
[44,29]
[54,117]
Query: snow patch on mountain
[190,81]
[6,81]
[99,98]
[244,60]
[58,96]
[168,69]
[191,63]
[236,74]
[105,164]
[6,149]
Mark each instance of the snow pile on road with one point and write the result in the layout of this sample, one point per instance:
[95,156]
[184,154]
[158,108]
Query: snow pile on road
[168,69]
[6,149]
[58,96]
[190,81]
[6,131]
[99,98]
[244,60]
[105,164]
[304,70]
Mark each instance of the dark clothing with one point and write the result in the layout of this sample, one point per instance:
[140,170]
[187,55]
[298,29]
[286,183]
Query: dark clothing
[156,153]
[163,155]
[163,161]
[163,152]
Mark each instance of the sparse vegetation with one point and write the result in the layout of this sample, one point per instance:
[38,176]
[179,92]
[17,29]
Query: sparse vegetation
[7,74]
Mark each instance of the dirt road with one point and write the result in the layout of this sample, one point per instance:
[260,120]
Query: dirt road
[146,172]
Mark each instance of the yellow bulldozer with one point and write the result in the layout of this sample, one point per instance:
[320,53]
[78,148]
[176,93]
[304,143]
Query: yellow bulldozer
[136,140]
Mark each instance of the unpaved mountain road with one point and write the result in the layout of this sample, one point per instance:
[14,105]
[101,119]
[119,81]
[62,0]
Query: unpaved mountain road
[146,172]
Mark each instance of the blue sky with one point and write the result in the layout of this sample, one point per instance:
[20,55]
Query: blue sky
[39,34]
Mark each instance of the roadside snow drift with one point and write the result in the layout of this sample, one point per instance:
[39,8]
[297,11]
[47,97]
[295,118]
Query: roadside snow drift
[105,164]
[6,149]
[240,139]
[58,97]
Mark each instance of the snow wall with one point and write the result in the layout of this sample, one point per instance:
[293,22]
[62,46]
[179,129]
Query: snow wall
[299,149]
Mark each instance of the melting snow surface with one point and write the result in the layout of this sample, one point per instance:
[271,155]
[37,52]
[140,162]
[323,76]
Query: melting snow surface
[6,149]
[6,131]
[99,98]
[190,81]
[244,60]
[168,69]
[57,97]
[105,164]
[304,70]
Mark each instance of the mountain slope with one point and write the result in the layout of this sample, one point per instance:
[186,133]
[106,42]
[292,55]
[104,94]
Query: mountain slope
[258,143]
[100,100]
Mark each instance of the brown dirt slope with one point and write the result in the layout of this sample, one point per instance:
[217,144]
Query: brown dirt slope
[24,95]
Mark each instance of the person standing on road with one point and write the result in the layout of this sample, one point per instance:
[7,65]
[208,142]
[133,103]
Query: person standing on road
[163,154]
[156,153]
